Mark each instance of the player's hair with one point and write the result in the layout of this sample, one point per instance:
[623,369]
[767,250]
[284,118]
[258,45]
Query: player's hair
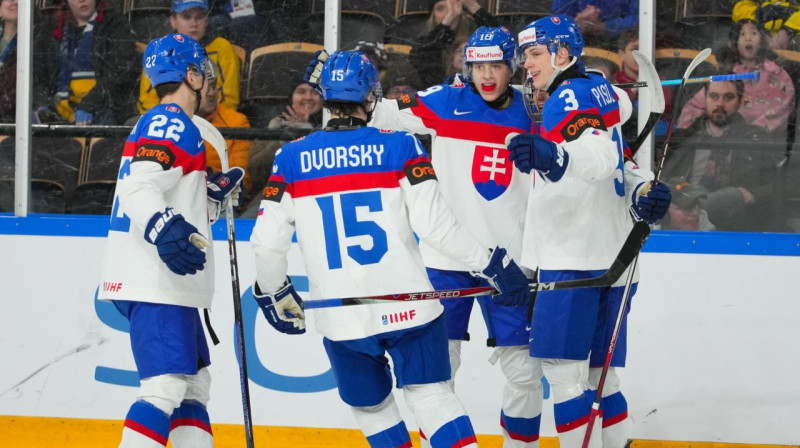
[342,108]
[167,88]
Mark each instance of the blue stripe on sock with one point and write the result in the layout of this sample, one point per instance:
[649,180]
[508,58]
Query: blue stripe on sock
[150,417]
[394,437]
[573,410]
[519,428]
[192,409]
[457,432]
[613,405]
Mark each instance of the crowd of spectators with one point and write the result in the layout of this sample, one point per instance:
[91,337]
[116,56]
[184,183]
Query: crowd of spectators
[84,74]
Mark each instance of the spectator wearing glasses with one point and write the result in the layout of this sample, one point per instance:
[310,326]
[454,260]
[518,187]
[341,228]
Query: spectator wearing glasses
[190,17]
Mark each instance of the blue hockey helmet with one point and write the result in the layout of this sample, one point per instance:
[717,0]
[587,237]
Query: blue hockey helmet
[554,32]
[349,76]
[166,59]
[490,45]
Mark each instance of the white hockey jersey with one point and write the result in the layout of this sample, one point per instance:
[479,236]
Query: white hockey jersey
[163,165]
[581,221]
[355,199]
[488,195]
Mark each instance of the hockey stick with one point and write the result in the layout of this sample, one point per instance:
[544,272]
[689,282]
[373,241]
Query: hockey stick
[633,244]
[648,72]
[695,62]
[629,283]
[210,133]
[701,80]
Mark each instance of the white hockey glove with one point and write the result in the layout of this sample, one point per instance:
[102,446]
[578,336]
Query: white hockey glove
[314,69]
[283,308]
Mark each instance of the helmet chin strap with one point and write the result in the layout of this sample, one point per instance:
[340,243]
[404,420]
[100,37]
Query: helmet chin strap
[557,70]
[197,92]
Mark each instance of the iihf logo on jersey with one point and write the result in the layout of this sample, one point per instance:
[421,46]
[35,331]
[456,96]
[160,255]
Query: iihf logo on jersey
[491,171]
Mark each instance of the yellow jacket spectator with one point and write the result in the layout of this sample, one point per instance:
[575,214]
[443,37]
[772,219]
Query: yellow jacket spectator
[222,116]
[190,17]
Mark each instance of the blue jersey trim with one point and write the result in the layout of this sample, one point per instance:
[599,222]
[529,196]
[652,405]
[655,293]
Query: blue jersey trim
[660,241]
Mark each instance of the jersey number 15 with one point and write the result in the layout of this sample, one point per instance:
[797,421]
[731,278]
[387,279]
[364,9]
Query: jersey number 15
[348,203]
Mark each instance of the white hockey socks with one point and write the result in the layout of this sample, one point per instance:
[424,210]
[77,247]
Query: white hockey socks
[382,425]
[613,409]
[573,401]
[440,415]
[520,416]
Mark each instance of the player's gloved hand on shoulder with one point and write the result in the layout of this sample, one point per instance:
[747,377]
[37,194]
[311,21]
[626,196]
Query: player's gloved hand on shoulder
[177,242]
[283,308]
[504,274]
[221,186]
[533,152]
[83,117]
[314,69]
[651,202]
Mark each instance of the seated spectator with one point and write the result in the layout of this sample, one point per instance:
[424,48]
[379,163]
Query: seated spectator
[400,79]
[600,17]
[739,181]
[768,102]
[778,18]
[303,110]
[685,212]
[433,52]
[223,116]
[242,24]
[628,42]
[455,72]
[86,66]
[190,17]
[8,60]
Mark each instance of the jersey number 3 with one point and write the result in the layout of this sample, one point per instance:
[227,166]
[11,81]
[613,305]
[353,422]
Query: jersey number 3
[349,202]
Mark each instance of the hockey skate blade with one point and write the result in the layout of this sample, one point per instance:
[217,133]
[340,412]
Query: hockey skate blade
[510,136]
[198,241]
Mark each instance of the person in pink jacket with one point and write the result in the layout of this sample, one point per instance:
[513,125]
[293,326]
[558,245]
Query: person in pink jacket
[767,102]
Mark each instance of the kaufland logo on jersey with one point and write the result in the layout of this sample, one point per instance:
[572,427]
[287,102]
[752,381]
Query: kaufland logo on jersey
[484,54]
[491,171]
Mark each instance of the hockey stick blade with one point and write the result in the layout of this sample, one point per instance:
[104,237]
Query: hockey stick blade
[657,103]
[633,244]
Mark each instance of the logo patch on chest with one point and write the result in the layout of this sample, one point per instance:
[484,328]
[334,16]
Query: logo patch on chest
[491,171]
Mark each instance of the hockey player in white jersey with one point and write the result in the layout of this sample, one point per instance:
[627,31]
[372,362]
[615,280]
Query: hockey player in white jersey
[356,196]
[577,219]
[488,197]
[155,270]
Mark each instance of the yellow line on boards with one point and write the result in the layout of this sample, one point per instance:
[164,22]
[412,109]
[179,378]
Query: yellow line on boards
[38,432]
